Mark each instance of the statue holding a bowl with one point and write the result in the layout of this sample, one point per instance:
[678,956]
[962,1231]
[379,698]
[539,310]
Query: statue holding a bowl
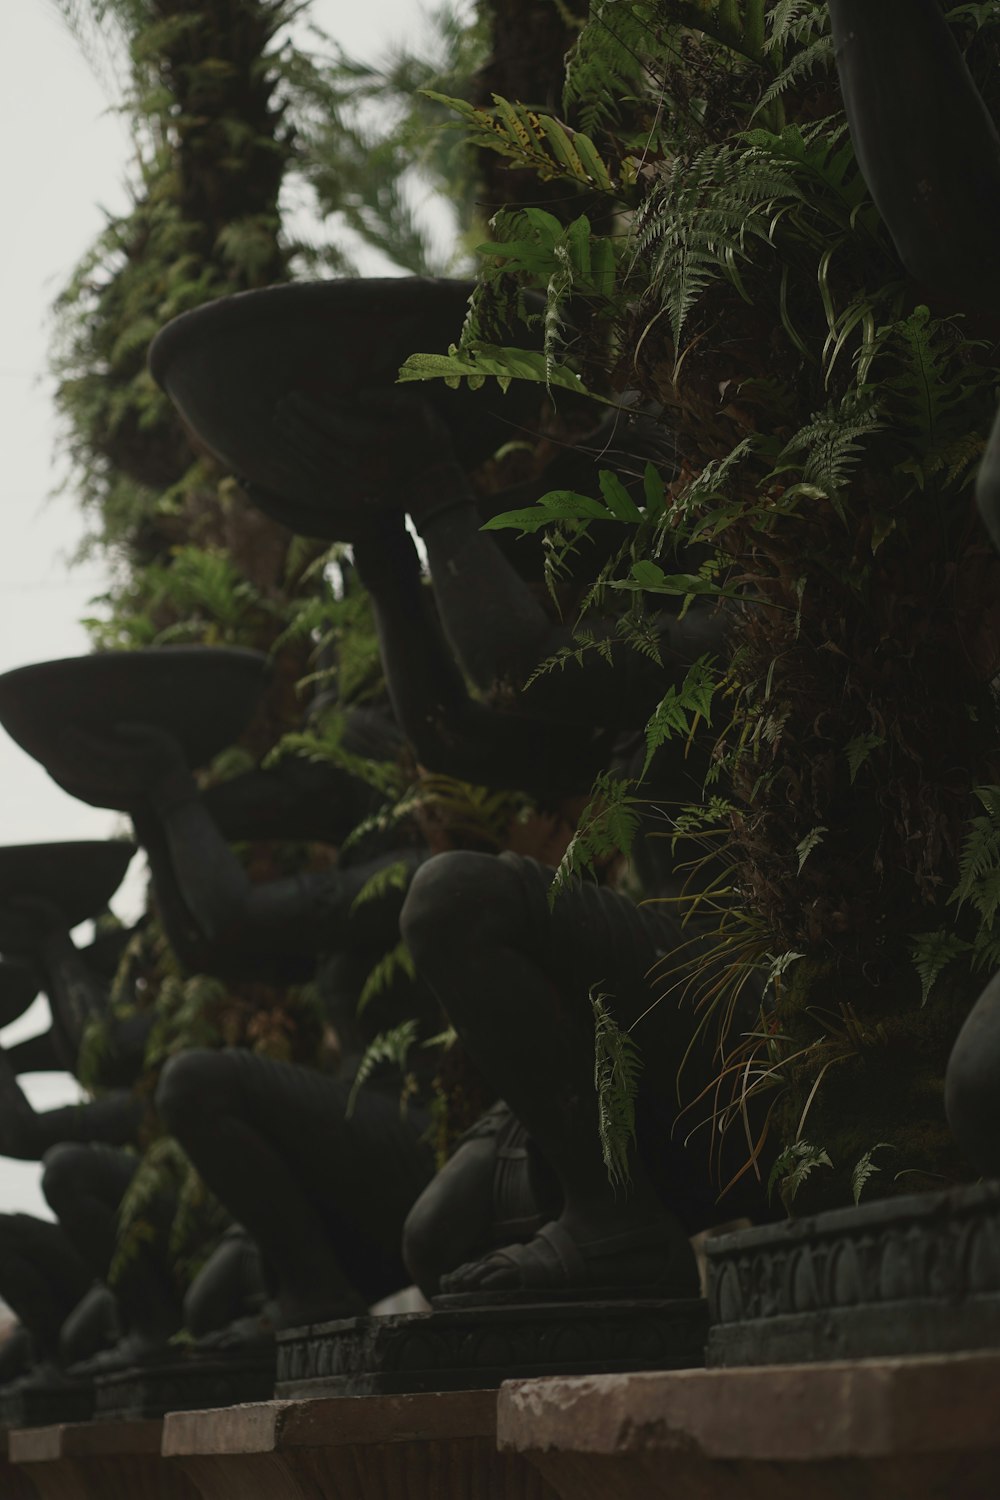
[935,177]
[277,1143]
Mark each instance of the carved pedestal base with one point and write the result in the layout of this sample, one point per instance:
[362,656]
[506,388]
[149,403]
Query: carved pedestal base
[36,1404]
[914,1275]
[476,1347]
[186,1385]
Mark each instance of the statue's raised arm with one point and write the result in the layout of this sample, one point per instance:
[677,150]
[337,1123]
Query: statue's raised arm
[925,142]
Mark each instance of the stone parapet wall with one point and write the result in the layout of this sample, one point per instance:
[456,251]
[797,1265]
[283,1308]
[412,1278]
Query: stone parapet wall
[922,1428]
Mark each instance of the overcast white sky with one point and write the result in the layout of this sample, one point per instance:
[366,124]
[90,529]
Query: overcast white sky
[65,156]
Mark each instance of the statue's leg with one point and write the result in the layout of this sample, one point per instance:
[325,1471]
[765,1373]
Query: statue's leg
[230,1285]
[84,1186]
[489,1192]
[324,1195]
[516,979]
[42,1277]
[971,1095]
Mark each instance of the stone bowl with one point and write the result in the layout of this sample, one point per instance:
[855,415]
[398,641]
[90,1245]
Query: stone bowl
[203,695]
[79,878]
[227,365]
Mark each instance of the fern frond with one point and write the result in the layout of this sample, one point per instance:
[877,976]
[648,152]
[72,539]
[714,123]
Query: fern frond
[397,961]
[607,827]
[931,953]
[795,1164]
[617,1066]
[391,1046]
[394,877]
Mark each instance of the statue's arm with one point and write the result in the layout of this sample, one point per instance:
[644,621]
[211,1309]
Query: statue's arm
[77,993]
[500,633]
[450,731]
[925,142]
[27,1134]
[37,1054]
[218,920]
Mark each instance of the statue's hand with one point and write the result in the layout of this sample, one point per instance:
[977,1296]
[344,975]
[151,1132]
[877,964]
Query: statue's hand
[18,1121]
[386,445]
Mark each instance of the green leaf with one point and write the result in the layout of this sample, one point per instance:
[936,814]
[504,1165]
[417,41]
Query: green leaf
[606,828]
[477,361]
[394,877]
[388,1047]
[931,953]
[859,749]
[618,500]
[812,841]
[391,964]
[617,1066]
[793,1167]
[675,713]
[865,1169]
[557,505]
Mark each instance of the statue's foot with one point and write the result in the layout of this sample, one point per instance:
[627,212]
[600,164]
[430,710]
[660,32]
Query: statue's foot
[134,1349]
[243,1335]
[653,1257]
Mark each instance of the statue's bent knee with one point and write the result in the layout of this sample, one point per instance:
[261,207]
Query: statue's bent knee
[63,1167]
[188,1086]
[454,899]
[972,1100]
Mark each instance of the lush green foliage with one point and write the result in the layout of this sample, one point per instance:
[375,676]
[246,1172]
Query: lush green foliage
[718,260]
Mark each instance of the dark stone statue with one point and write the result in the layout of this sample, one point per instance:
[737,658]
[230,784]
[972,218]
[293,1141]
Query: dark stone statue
[935,177]
[515,974]
[323,1190]
[85,1171]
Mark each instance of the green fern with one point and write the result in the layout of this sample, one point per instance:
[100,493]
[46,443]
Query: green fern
[979,862]
[394,877]
[680,708]
[389,967]
[931,953]
[607,827]
[388,1047]
[827,450]
[792,1169]
[865,1169]
[699,224]
[611,61]
[617,1066]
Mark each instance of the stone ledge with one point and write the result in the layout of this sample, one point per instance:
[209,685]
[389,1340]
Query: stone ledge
[333,1422]
[83,1440]
[435,1446]
[782,1413]
[96,1461]
[913,1428]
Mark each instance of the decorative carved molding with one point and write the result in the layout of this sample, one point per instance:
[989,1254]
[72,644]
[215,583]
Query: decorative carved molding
[477,1347]
[910,1275]
[186,1385]
[38,1405]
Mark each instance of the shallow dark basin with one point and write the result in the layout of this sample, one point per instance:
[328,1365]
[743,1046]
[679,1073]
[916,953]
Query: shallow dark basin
[228,364]
[204,695]
[79,878]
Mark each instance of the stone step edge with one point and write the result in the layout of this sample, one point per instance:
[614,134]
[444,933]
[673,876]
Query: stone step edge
[861,1409]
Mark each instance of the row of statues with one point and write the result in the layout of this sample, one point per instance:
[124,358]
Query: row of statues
[338,1195]
[333,1191]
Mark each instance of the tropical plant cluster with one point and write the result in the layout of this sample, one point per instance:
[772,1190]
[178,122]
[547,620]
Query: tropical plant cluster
[710,254]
